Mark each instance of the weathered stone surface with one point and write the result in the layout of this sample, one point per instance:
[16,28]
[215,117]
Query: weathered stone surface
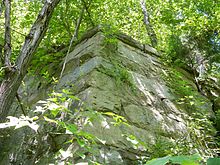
[126,81]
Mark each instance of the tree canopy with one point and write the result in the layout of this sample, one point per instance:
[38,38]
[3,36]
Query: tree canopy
[36,33]
[177,24]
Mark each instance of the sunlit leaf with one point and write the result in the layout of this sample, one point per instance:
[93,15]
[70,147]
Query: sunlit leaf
[192,102]
[190,160]
[82,155]
[39,109]
[72,128]
[65,154]
[50,120]
[159,161]
[81,142]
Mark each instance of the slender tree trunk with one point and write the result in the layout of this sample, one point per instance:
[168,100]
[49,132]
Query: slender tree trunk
[73,39]
[8,90]
[150,31]
[15,75]
[7,47]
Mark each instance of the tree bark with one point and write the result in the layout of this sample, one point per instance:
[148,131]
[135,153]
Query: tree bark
[7,47]
[150,31]
[13,79]
[1,8]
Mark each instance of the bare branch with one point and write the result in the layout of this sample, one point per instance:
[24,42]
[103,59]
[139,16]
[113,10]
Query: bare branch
[7,46]
[74,38]
[144,10]
[149,28]
[78,23]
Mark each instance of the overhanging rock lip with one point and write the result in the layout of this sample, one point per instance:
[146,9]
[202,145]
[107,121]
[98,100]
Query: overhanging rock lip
[122,37]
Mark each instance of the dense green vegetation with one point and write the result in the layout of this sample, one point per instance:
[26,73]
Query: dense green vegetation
[188,38]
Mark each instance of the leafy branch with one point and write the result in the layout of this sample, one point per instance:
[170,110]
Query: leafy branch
[12,80]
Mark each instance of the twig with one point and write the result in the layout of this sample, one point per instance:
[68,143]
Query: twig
[18,32]
[75,36]
[21,105]
[1,55]
[12,29]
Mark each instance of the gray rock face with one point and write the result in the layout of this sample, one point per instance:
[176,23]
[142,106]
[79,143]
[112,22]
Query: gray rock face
[149,109]
[124,80]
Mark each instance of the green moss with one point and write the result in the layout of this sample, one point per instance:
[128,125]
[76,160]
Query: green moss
[120,75]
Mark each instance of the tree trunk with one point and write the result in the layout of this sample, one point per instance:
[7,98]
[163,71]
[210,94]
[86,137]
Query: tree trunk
[14,76]
[73,39]
[8,91]
[150,31]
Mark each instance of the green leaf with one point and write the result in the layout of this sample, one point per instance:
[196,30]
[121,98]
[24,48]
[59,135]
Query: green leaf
[213,161]
[82,155]
[186,160]
[81,142]
[50,120]
[54,112]
[74,98]
[159,161]
[86,135]
[109,113]
[54,99]
[182,160]
[71,128]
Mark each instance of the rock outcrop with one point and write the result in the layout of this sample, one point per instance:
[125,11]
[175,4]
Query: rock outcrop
[119,77]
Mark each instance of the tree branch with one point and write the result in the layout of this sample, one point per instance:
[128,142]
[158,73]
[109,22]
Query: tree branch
[7,45]
[76,32]
[149,28]
[12,81]
[21,105]
[13,29]
[74,38]
[1,55]
[35,36]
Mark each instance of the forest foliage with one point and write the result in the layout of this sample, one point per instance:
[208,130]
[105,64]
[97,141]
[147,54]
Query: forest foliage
[187,33]
[182,28]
